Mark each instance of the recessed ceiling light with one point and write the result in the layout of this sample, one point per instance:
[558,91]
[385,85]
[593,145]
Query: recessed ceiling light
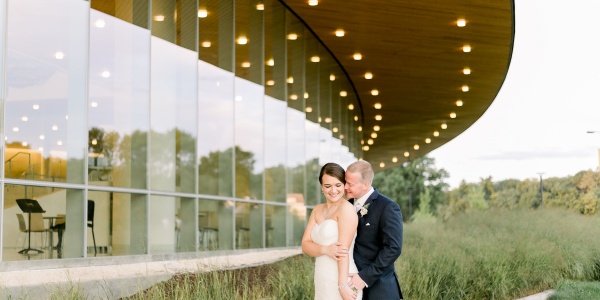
[467,71]
[369,75]
[202,13]
[377,105]
[100,23]
[305,95]
[357,56]
[308,109]
[313,2]
[290,80]
[381,164]
[461,22]
[332,77]
[315,59]
[292,36]
[270,82]
[376,127]
[365,148]
[159,18]
[260,6]
[294,97]
[406,154]
[355,118]
[242,40]
[427,140]
[334,129]
[343,93]
[340,33]
[206,44]
[459,103]
[351,106]
[378,117]
[465,88]
[467,48]
[374,135]
[327,120]
[359,128]
[246,64]
[436,133]
[374,92]
[453,115]
[444,126]
[394,159]
[416,147]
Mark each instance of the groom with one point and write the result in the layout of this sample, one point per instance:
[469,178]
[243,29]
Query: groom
[379,235]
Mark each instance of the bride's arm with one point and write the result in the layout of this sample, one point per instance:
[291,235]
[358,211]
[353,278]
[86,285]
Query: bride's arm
[308,246]
[347,224]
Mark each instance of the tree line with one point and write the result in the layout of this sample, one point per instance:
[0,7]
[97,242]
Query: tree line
[419,187]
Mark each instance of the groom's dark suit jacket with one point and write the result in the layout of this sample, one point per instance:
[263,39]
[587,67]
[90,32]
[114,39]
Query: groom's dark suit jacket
[377,246]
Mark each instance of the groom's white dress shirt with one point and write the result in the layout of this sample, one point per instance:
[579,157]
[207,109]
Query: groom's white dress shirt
[358,203]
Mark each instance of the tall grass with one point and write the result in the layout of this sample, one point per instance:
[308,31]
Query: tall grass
[494,254]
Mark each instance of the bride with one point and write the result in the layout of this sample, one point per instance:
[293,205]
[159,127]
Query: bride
[331,226]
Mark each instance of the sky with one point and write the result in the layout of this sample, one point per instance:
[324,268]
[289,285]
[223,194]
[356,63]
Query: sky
[539,120]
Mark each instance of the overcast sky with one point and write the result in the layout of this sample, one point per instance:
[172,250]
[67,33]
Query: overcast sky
[550,99]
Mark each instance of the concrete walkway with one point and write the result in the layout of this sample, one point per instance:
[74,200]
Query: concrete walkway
[539,296]
[113,281]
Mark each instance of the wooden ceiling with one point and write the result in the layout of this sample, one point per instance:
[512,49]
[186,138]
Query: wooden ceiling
[415,51]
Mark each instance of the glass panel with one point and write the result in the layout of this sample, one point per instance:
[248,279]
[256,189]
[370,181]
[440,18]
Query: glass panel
[215,130]
[46,91]
[215,224]
[249,140]
[175,21]
[275,152]
[248,225]
[275,54]
[313,167]
[215,18]
[173,118]
[275,226]
[119,93]
[249,40]
[186,233]
[134,12]
[296,219]
[163,229]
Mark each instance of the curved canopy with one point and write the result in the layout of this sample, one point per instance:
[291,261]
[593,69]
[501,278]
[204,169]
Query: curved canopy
[415,51]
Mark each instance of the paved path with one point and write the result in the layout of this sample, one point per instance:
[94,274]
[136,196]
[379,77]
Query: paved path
[539,296]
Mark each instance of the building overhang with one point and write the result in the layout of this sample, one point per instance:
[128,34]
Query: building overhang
[414,49]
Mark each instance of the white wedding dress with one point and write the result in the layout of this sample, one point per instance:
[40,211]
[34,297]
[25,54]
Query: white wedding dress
[326,268]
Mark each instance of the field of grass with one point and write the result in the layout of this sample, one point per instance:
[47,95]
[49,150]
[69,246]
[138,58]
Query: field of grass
[569,290]
[483,255]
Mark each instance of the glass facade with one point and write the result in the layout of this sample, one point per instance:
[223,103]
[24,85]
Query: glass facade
[165,126]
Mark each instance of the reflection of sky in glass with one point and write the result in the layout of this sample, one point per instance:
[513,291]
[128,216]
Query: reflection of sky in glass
[249,119]
[275,135]
[311,140]
[215,109]
[296,134]
[44,68]
[325,150]
[119,90]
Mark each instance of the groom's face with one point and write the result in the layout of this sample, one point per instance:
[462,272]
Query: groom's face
[355,186]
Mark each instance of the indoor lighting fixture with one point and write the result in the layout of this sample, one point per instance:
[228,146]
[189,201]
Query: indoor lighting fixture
[374,135]
[465,88]
[159,18]
[308,109]
[24,118]
[368,75]
[459,103]
[461,22]
[427,140]
[246,64]
[406,154]
[357,56]
[378,117]
[444,126]
[376,127]
[271,62]
[416,147]
[206,44]
[351,106]
[292,36]
[305,95]
[290,80]
[328,120]
[362,142]
[453,115]
[467,71]
[359,128]
[59,143]
[242,40]
[365,148]
[260,6]
[332,77]
[381,164]
[355,118]
[36,107]
[377,105]
[467,48]
[340,33]
[374,92]
[343,93]
[370,141]
[313,2]
[315,59]
[436,133]
[334,129]
[59,55]
[294,97]
[270,82]
[202,13]
[394,159]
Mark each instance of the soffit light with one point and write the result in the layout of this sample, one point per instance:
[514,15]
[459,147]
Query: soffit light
[406,154]
[444,126]
[461,22]
[292,36]
[313,2]
[377,105]
[436,133]
[459,103]
[374,92]
[202,13]
[260,6]
[308,109]
[381,164]
[206,44]
[368,75]
[394,159]
[378,117]
[357,56]
[271,62]
[453,115]
[370,141]
[340,33]
[416,147]
[315,59]
[351,106]
[376,127]
[242,40]
[159,18]
[466,48]
[332,77]
[467,71]
[343,93]
[374,135]
[427,140]
[465,88]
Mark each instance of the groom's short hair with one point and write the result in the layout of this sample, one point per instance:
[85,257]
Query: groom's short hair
[364,168]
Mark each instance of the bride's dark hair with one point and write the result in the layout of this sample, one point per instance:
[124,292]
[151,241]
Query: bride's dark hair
[333,170]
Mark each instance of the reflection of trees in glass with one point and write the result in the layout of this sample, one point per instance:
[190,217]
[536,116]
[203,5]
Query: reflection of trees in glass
[275,185]
[313,189]
[214,174]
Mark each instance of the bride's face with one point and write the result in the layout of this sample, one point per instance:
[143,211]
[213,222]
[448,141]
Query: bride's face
[332,188]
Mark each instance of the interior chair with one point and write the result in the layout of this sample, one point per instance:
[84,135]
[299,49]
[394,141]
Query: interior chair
[22,229]
[90,221]
[59,226]
[37,225]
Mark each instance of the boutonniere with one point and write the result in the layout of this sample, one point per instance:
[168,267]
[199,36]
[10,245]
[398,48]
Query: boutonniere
[364,210]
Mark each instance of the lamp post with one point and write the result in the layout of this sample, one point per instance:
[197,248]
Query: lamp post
[541,189]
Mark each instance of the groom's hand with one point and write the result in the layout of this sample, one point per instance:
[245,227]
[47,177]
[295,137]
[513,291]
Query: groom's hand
[356,282]
[335,251]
